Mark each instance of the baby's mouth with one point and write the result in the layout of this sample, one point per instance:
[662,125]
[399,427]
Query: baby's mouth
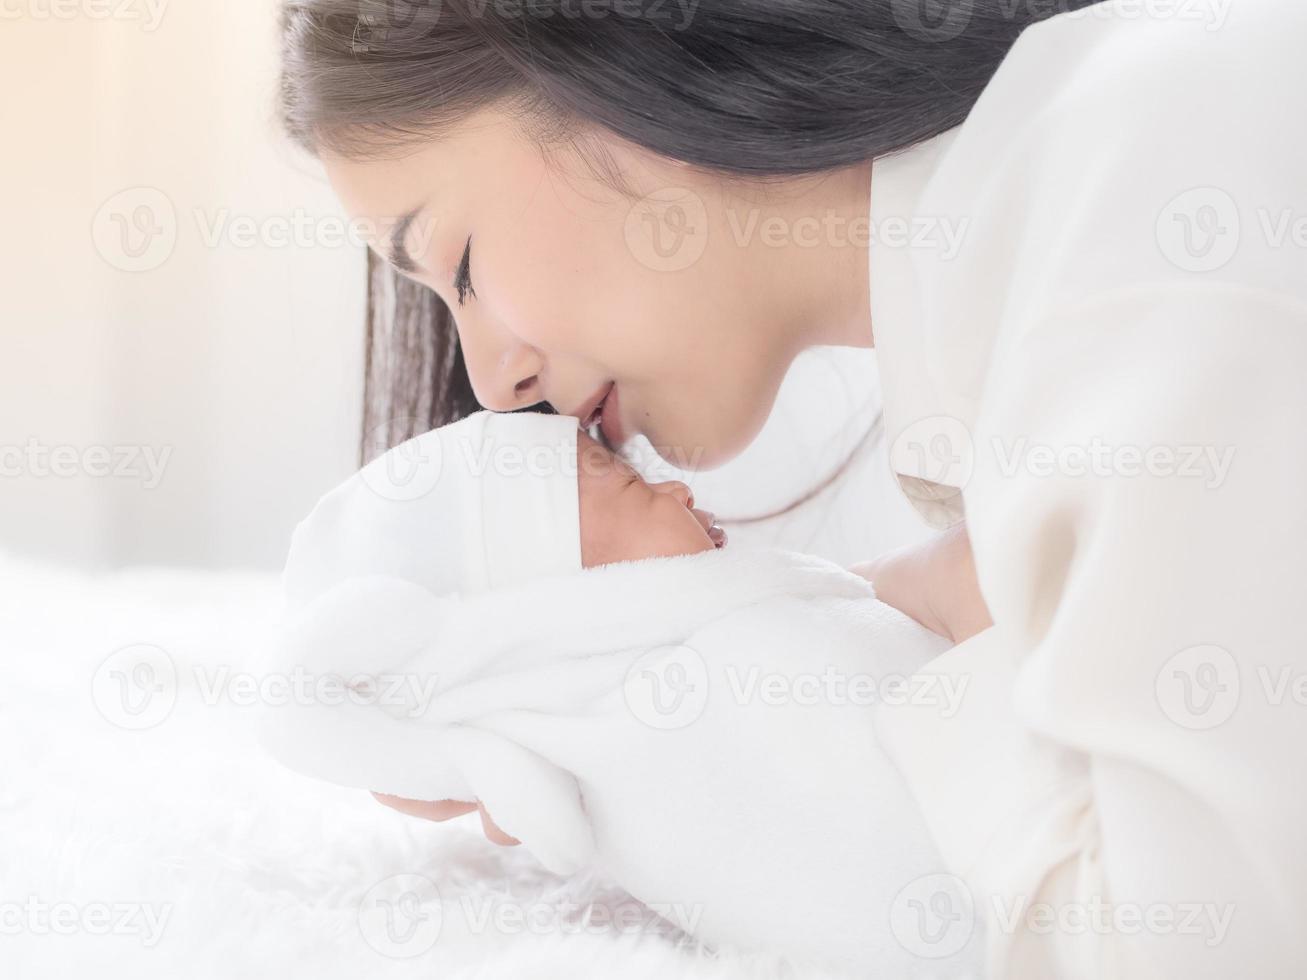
[716,534]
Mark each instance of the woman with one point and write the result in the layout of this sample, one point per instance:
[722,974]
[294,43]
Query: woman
[1080,258]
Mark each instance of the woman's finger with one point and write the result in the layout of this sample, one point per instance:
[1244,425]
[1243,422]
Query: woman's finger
[427,809]
[492,831]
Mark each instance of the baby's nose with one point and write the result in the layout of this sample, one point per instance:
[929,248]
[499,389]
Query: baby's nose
[678,490]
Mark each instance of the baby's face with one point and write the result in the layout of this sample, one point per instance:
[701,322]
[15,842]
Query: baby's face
[623,518]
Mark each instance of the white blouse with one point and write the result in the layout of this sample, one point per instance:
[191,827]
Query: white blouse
[1089,304]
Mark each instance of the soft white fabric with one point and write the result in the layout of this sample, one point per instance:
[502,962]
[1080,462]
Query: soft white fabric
[485,502]
[215,863]
[775,817]
[1108,376]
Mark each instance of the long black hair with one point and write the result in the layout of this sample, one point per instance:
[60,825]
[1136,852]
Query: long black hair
[747,88]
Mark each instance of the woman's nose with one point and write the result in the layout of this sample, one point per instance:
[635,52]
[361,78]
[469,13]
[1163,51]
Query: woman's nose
[505,373]
[678,490]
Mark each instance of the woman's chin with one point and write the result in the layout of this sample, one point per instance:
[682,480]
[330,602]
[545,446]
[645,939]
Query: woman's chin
[696,448]
[695,458]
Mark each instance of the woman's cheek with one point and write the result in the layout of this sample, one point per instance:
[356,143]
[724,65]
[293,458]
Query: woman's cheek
[538,314]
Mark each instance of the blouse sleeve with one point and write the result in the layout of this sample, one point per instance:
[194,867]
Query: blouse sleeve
[1122,791]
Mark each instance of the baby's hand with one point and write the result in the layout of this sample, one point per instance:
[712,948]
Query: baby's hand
[447,810]
[934,583]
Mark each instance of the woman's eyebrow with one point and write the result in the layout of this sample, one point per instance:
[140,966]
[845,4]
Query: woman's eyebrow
[399,255]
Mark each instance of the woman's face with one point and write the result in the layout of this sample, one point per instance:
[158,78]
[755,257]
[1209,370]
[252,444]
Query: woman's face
[665,307]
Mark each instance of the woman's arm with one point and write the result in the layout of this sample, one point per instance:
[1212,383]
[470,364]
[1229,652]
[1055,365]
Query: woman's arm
[1122,788]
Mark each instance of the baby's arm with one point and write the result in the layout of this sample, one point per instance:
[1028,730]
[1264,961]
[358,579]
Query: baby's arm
[934,583]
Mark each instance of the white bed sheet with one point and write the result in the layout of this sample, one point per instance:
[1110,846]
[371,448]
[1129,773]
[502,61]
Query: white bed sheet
[181,851]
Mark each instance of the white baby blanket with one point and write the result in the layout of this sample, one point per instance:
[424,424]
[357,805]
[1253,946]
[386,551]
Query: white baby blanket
[699,728]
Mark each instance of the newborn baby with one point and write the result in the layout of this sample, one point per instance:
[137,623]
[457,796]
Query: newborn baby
[524,621]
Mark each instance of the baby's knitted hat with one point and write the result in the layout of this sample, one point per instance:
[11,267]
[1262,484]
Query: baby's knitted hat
[482,503]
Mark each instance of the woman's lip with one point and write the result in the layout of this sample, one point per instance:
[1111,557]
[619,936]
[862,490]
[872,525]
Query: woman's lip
[588,413]
[610,422]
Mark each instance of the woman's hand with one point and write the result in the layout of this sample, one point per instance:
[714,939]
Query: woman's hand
[447,810]
[934,583]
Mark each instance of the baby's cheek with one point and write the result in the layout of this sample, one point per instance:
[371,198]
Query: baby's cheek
[640,532]
[620,529]
[598,532]
[678,530]
[613,530]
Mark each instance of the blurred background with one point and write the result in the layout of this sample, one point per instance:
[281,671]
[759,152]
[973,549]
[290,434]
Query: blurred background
[158,296]
[182,313]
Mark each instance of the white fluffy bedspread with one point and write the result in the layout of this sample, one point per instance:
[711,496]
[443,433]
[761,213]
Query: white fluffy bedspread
[179,850]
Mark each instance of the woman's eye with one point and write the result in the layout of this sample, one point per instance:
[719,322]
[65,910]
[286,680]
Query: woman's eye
[463,277]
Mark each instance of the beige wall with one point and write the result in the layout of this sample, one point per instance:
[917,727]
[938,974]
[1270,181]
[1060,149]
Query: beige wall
[239,357]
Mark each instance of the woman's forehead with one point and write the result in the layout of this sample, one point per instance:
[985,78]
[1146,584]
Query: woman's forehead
[382,187]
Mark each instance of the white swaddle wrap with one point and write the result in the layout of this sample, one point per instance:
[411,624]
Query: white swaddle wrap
[698,728]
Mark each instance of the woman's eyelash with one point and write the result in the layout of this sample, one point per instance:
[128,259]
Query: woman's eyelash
[463,277]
